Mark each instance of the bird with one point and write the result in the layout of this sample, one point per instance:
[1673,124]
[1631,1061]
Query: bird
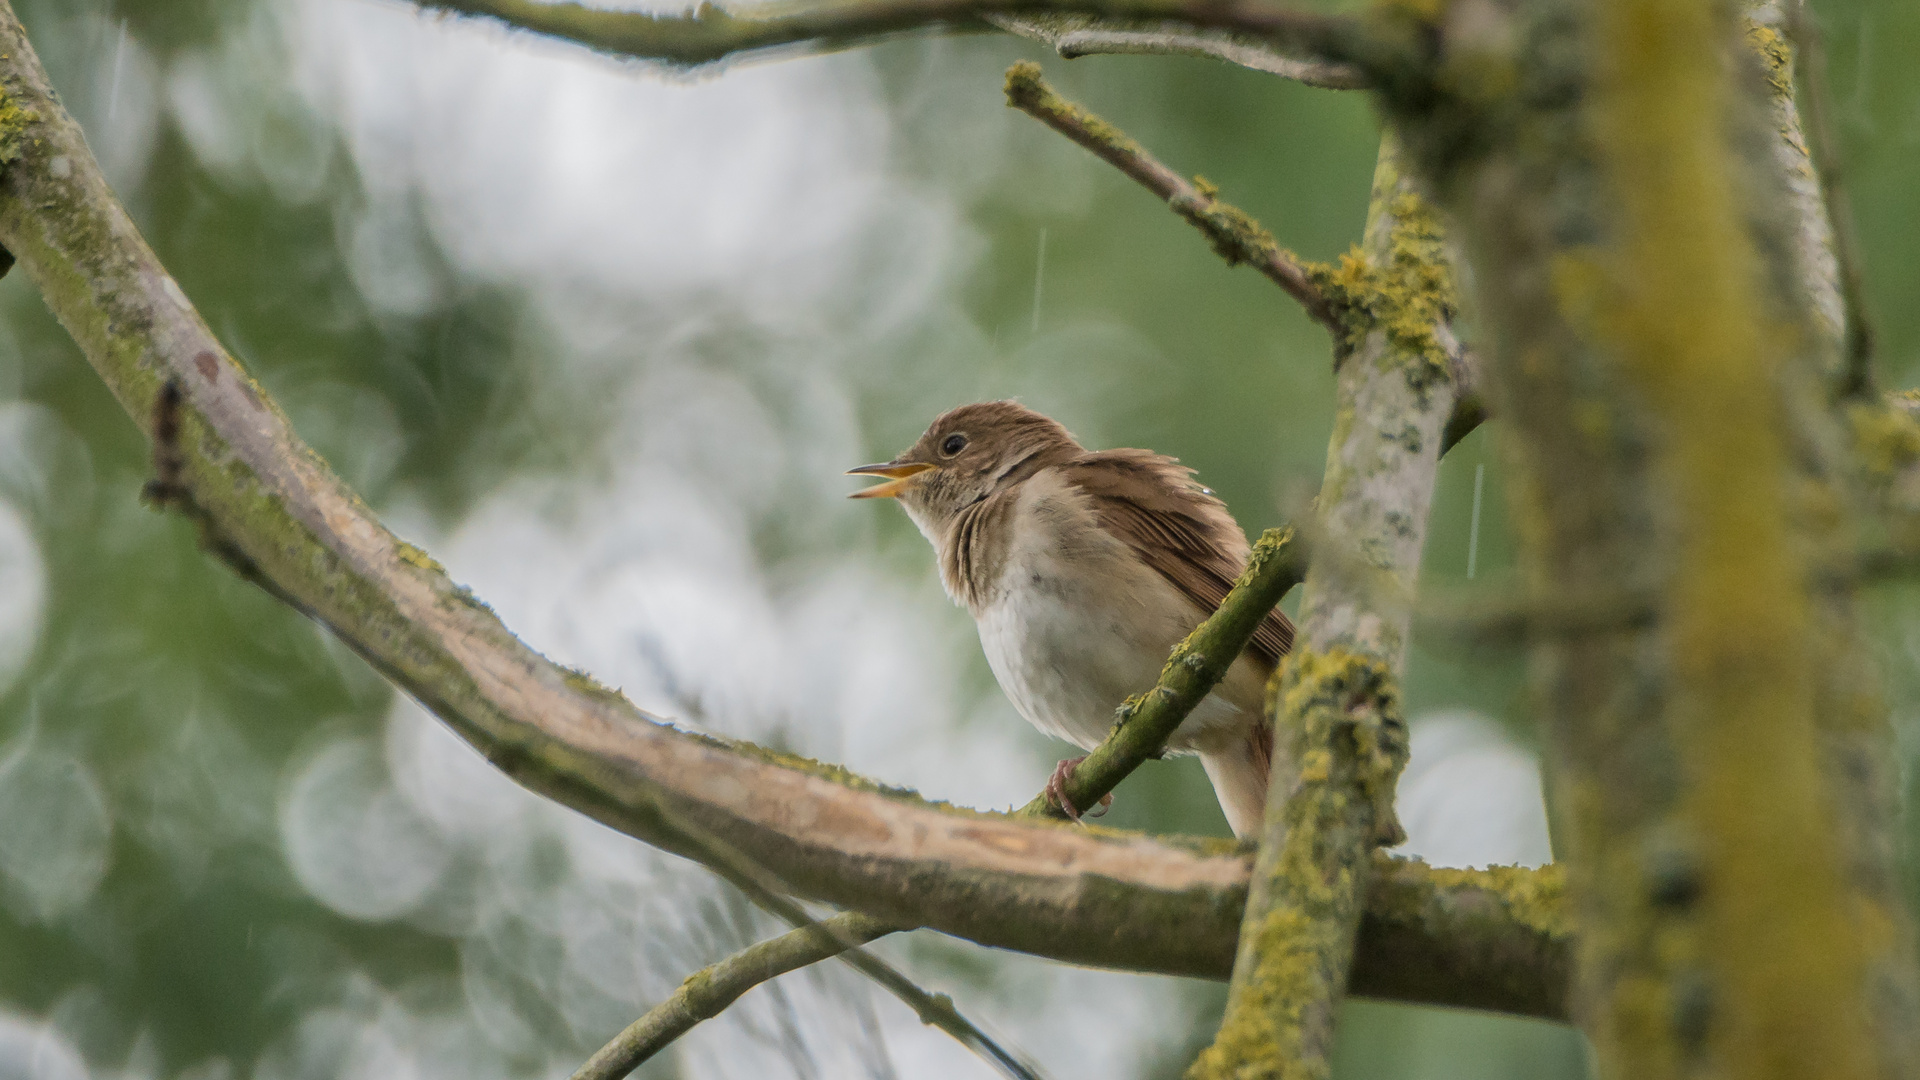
[1082,570]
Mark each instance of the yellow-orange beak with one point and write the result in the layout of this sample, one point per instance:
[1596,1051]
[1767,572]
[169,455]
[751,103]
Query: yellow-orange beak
[897,476]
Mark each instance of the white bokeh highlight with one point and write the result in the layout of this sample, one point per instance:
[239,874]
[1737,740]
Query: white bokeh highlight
[34,1050]
[55,829]
[1470,797]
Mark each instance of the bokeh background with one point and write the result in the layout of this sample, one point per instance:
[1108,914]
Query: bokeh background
[603,338]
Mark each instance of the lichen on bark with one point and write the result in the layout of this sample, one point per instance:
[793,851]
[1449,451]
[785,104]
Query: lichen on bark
[1349,744]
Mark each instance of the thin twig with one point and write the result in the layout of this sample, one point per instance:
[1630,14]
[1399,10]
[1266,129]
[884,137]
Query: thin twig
[710,990]
[1237,237]
[1074,36]
[844,937]
[708,33]
[1195,666]
[1856,378]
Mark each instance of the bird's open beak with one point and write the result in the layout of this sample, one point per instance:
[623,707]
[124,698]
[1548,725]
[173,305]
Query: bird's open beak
[897,476]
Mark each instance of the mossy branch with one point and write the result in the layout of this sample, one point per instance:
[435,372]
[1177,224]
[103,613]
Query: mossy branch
[707,33]
[1235,236]
[1296,947]
[1193,669]
[1330,802]
[1075,36]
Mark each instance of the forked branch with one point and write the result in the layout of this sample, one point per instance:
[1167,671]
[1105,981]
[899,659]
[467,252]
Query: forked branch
[1085,35]
[1237,237]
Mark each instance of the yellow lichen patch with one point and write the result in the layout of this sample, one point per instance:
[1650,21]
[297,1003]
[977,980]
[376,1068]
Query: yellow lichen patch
[1689,332]
[1342,711]
[15,121]
[413,556]
[1886,437]
[1535,898]
[1408,295]
[1337,703]
[1776,52]
[1289,979]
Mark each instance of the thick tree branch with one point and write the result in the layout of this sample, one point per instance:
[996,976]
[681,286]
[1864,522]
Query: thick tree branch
[1074,36]
[1235,236]
[1338,711]
[707,33]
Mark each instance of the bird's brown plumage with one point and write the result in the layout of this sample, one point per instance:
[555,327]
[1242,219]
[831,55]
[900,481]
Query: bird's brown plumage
[1178,528]
[1075,561]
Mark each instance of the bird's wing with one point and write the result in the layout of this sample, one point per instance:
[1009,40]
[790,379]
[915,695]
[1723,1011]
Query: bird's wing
[1178,527]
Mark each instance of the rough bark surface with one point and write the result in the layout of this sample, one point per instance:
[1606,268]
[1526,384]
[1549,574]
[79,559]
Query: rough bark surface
[1337,706]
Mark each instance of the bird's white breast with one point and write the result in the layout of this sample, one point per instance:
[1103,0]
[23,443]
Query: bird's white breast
[1077,624]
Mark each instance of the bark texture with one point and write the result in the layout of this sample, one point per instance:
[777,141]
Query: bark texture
[1337,704]
[1653,300]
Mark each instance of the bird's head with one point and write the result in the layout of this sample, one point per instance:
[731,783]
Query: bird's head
[966,455]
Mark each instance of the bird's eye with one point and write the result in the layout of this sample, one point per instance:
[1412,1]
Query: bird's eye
[954,444]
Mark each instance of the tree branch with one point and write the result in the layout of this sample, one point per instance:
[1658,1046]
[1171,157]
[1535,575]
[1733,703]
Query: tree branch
[1856,374]
[846,937]
[1235,236]
[707,33]
[1074,36]
[1338,708]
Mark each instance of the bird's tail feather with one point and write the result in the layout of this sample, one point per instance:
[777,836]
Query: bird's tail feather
[1239,773]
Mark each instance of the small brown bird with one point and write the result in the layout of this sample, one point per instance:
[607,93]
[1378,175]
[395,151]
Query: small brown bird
[1082,570]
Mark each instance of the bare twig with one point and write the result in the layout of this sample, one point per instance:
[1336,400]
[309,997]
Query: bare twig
[845,936]
[708,33]
[1234,235]
[1085,35]
[711,989]
[1856,377]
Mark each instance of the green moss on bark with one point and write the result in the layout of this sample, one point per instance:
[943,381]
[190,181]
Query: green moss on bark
[1348,744]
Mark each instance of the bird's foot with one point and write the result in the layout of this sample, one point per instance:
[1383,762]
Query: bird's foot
[1057,788]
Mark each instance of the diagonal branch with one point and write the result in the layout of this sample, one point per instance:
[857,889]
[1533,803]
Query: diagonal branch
[1330,802]
[707,992]
[1234,235]
[1193,669]
[1074,36]
[771,894]
[707,33]
[1856,376]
